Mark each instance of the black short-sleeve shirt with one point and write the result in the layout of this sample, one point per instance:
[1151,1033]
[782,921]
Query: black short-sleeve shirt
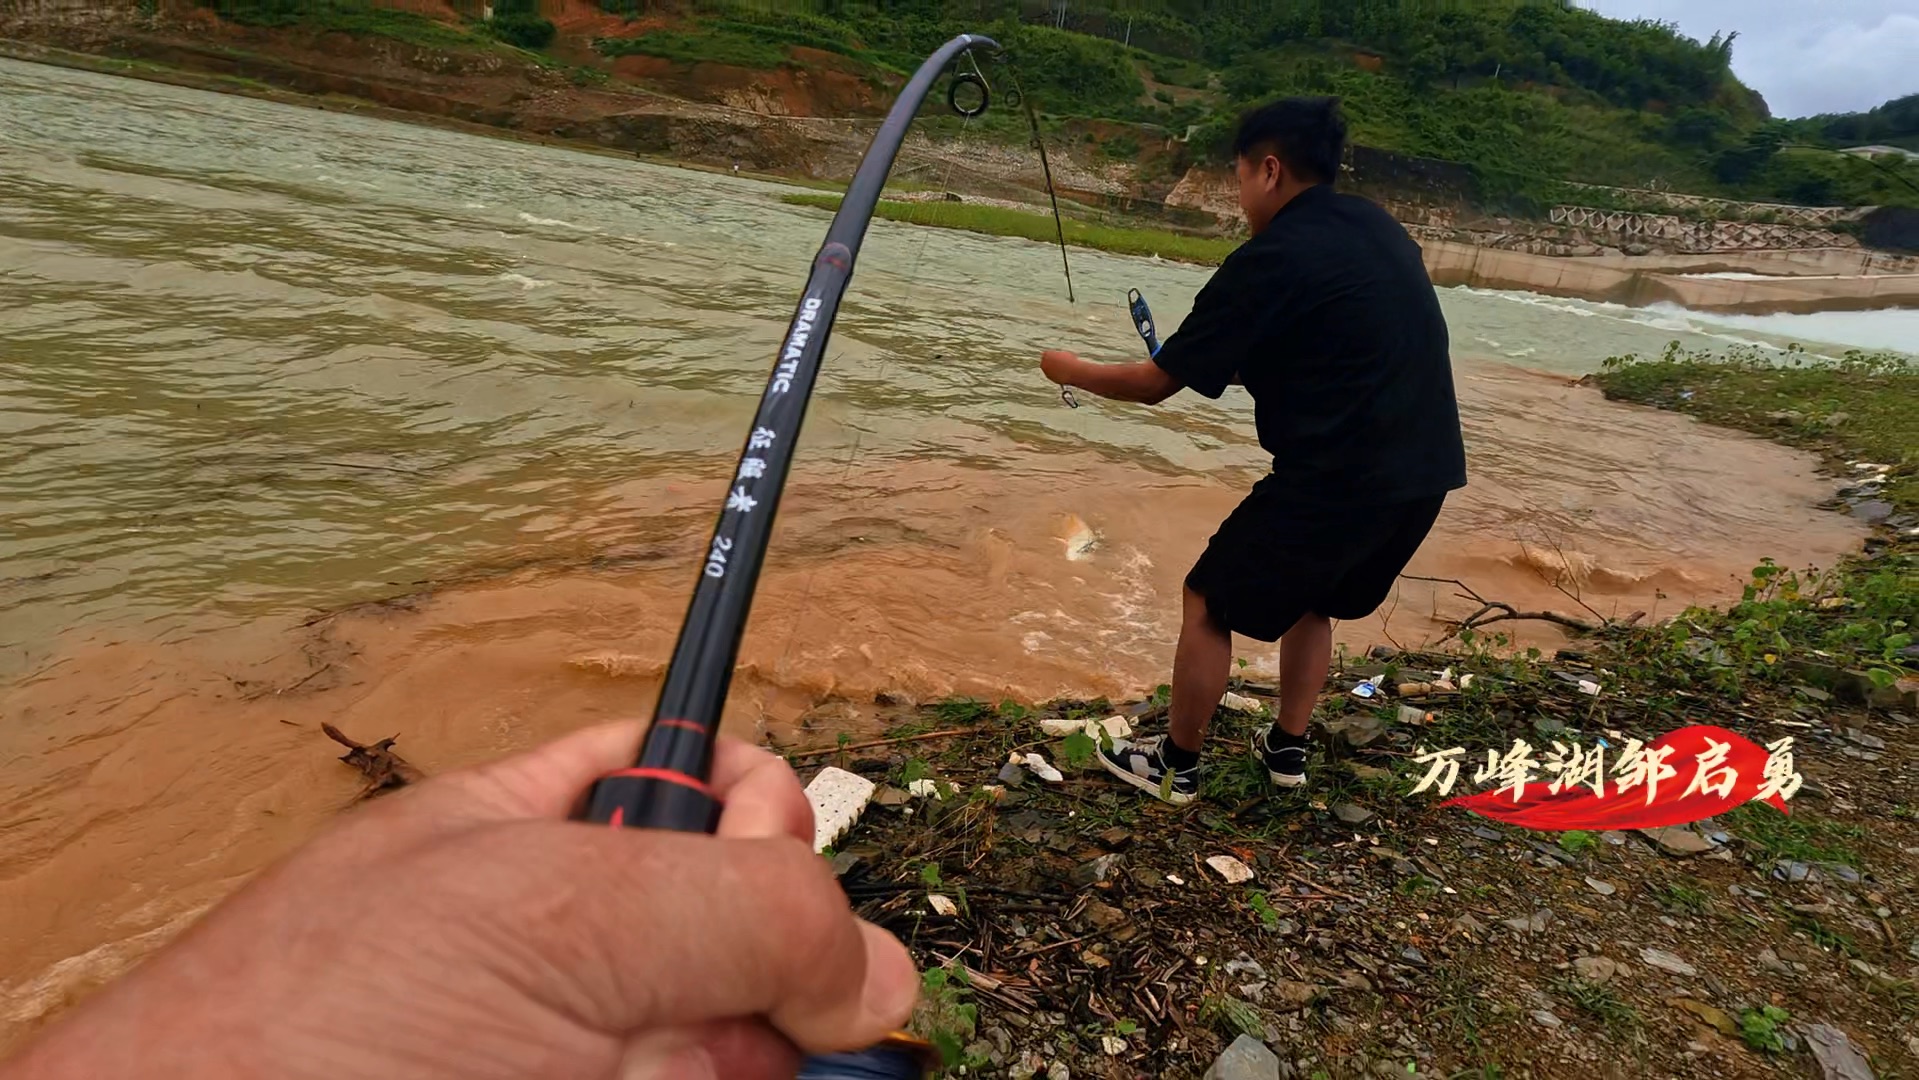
[1330,321]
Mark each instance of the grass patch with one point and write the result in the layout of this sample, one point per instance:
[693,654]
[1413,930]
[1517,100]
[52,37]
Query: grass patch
[1600,1002]
[1001,221]
[1800,835]
[1578,842]
[1761,1028]
[346,16]
[1685,896]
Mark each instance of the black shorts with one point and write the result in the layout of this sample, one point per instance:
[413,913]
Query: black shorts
[1274,560]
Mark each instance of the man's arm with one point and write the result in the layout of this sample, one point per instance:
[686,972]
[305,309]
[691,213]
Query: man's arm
[1144,382]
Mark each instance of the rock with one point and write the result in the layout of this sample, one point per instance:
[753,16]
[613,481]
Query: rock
[1860,738]
[1350,814]
[1595,969]
[1613,837]
[888,795]
[1097,870]
[942,905]
[1545,1018]
[1058,1071]
[1029,1065]
[1771,962]
[1812,693]
[1601,887]
[1116,838]
[1838,1056]
[1287,928]
[1230,868]
[1113,1045]
[1484,833]
[1466,924]
[1145,877]
[1104,917]
[1370,772]
[1717,1018]
[1666,961]
[1288,994]
[1677,840]
[1841,871]
[1872,511]
[1412,956]
[1786,416]
[1011,775]
[1246,1059]
[1535,923]
[1353,980]
[1382,652]
[846,862]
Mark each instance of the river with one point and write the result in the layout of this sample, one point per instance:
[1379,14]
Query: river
[305,415]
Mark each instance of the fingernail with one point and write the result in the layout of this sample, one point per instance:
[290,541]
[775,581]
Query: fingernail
[892,982]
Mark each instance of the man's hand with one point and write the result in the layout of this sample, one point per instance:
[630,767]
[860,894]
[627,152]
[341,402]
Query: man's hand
[1059,365]
[463,929]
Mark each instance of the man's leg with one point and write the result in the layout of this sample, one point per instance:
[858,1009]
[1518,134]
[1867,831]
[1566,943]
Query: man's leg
[1201,665]
[1305,652]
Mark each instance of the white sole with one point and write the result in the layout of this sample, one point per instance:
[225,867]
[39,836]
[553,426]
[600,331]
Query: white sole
[1279,779]
[1140,782]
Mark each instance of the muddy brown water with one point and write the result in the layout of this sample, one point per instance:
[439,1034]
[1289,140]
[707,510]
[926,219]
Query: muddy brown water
[262,364]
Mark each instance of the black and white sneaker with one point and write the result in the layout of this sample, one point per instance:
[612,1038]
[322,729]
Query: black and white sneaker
[1284,755]
[1141,765]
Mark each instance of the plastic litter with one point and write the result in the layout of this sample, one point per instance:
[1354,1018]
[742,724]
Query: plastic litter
[925,789]
[1060,727]
[1587,686]
[1230,868]
[1042,768]
[1117,727]
[1367,688]
[838,798]
[1241,703]
[1413,714]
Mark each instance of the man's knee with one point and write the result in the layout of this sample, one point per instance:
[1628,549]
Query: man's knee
[1197,614]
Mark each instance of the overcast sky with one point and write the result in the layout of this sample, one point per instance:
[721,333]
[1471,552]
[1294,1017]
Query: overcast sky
[1805,57]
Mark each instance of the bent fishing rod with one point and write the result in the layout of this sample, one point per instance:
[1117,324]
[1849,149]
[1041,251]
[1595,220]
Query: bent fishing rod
[667,786]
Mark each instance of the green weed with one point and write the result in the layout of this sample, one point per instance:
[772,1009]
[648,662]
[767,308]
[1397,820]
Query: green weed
[1683,896]
[1601,1002]
[1760,1028]
[1578,842]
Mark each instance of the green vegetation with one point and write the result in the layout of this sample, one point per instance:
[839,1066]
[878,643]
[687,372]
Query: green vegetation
[1801,835]
[518,22]
[345,16]
[1000,221]
[1683,896]
[1760,1028]
[1896,123]
[1600,1002]
[944,1016]
[1578,842]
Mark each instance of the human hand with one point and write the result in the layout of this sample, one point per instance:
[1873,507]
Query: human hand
[1059,365]
[463,929]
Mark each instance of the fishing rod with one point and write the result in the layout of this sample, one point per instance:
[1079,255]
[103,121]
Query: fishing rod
[667,786]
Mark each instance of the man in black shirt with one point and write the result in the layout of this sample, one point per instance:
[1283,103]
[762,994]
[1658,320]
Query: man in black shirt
[1329,320]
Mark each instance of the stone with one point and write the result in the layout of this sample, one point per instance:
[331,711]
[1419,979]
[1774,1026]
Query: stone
[1872,511]
[1812,693]
[1466,924]
[1350,814]
[1289,994]
[1613,837]
[1145,877]
[1116,838]
[1104,917]
[1246,1059]
[1601,887]
[1838,1056]
[1113,1045]
[1412,955]
[1484,833]
[1535,923]
[1859,737]
[1546,1018]
[1792,871]
[1353,980]
[1058,1071]
[1716,1018]
[1370,772]
[1029,1065]
[1097,870]
[1595,969]
[888,795]
[1285,928]
[1011,775]
[846,862]
[1234,871]
[1666,961]
[1678,840]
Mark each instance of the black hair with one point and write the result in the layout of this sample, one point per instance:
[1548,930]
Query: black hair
[1308,134]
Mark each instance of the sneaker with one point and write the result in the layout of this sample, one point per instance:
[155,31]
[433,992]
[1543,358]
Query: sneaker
[1285,765]
[1140,765]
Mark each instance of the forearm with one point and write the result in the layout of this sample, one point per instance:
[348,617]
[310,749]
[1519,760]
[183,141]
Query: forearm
[1143,382]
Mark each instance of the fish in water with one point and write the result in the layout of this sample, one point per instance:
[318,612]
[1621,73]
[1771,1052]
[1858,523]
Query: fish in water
[1079,537]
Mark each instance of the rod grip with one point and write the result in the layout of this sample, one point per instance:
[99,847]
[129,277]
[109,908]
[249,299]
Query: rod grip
[652,799]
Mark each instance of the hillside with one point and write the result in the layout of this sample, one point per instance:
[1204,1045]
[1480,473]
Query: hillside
[1514,100]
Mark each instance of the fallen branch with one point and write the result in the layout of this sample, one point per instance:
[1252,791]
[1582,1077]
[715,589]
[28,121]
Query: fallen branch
[896,740]
[1493,611]
[384,769]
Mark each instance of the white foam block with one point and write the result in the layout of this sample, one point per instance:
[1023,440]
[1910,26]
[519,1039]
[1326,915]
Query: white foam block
[838,798]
